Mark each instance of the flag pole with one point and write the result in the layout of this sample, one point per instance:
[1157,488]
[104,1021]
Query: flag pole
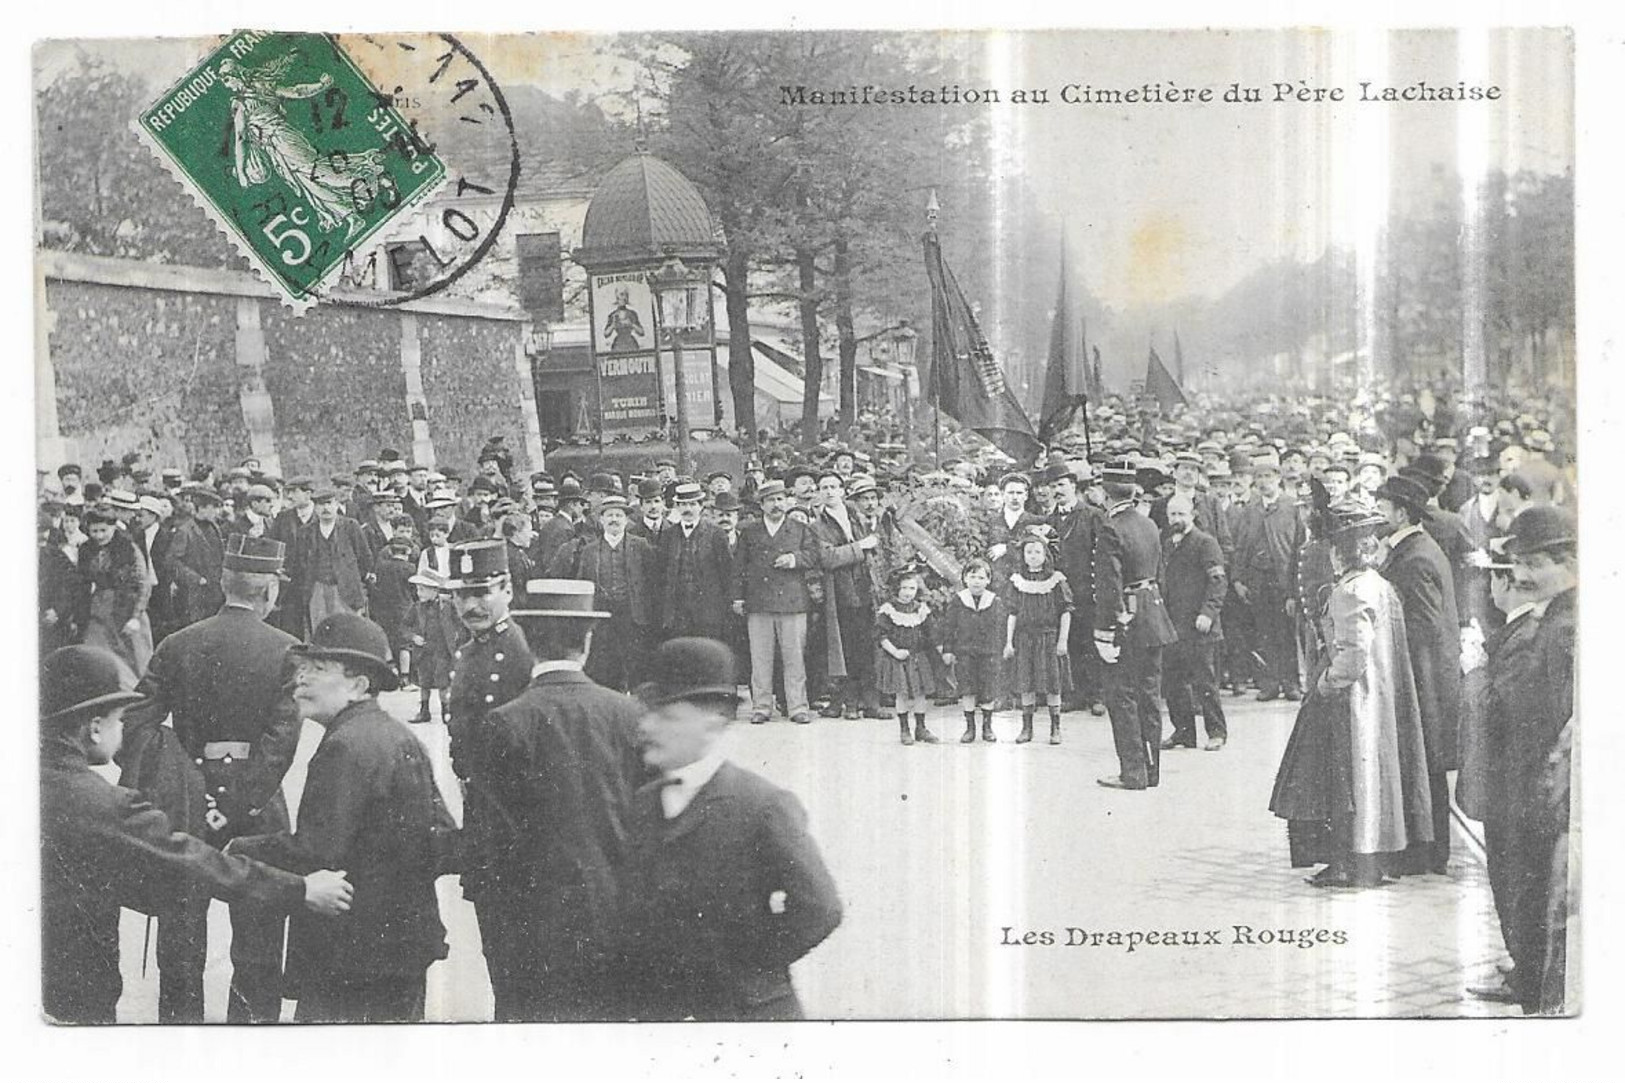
[932,210]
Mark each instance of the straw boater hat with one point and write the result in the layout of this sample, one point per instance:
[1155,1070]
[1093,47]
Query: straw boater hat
[560,598]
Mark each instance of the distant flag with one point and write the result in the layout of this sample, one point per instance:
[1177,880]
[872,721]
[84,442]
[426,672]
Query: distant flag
[1160,385]
[1098,391]
[1060,404]
[1179,361]
[966,382]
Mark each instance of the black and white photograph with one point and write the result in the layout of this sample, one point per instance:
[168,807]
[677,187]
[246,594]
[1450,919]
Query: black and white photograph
[725,526]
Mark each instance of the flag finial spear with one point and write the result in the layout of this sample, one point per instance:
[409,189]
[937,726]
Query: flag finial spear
[932,210]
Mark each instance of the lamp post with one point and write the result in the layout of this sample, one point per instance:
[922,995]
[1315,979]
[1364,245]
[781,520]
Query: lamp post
[905,340]
[673,284]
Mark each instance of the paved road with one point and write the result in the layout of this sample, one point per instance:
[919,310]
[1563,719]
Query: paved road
[948,856]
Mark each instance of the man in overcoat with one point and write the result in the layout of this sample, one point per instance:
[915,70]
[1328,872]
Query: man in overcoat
[370,808]
[222,683]
[1077,526]
[103,846]
[694,571]
[561,764]
[849,602]
[1420,574]
[621,565]
[724,889]
[193,558]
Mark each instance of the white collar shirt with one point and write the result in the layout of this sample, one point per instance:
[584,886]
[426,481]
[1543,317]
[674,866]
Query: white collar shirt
[688,781]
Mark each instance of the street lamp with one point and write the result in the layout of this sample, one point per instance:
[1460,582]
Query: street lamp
[675,286]
[905,340]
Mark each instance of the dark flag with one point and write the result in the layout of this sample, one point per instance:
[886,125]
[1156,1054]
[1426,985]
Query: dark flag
[966,383]
[1060,404]
[1098,388]
[1161,386]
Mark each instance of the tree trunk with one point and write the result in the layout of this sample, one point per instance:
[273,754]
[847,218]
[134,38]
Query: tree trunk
[848,337]
[741,359]
[813,361]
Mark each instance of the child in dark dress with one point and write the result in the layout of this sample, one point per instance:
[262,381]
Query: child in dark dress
[973,634]
[1035,637]
[903,668]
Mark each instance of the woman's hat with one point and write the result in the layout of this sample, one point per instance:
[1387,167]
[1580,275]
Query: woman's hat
[560,598]
[1352,518]
[690,668]
[79,680]
[352,638]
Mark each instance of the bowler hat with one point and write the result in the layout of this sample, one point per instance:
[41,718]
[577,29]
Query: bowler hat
[1052,473]
[726,502]
[603,483]
[482,484]
[260,555]
[355,640]
[78,680]
[476,564]
[690,668]
[1538,528]
[560,598]
[1404,490]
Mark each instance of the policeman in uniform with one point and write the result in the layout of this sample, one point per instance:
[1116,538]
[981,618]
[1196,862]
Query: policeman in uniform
[222,683]
[487,671]
[1131,629]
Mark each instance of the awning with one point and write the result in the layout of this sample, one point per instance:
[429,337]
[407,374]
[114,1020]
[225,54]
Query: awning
[883,374]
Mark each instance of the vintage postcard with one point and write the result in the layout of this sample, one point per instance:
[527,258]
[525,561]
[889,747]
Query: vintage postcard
[833,525]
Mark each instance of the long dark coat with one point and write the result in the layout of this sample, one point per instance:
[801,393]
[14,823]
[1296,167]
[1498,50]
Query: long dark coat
[699,934]
[194,556]
[1420,573]
[586,563]
[562,766]
[103,847]
[370,808]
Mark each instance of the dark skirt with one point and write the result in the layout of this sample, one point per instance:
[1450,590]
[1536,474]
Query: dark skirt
[1312,786]
[1036,667]
[912,677]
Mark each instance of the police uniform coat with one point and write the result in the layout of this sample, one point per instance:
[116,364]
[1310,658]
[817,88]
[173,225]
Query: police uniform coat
[699,934]
[103,847]
[225,679]
[562,767]
[488,670]
[1127,575]
[370,808]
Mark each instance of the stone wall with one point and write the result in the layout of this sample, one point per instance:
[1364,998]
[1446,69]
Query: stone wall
[193,366]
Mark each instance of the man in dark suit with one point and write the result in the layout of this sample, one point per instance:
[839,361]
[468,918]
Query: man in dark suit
[194,556]
[694,571]
[291,610]
[1267,541]
[560,764]
[369,807]
[104,846]
[331,561]
[621,565]
[651,521]
[1420,574]
[1007,526]
[724,888]
[1131,630]
[221,682]
[1193,586]
[771,562]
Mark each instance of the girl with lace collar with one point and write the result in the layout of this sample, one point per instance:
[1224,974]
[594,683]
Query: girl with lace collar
[906,634]
[1036,634]
[973,635]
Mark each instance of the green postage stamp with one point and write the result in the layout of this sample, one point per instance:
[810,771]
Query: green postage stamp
[288,146]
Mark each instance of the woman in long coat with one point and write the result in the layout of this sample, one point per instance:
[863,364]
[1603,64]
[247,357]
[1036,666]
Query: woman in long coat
[116,589]
[1353,782]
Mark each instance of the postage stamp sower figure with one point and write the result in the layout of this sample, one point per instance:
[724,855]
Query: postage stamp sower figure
[293,152]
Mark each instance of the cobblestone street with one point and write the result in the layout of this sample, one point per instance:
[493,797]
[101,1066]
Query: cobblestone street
[948,856]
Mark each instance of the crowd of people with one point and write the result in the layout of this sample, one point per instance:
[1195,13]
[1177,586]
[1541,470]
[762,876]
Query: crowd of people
[1402,567]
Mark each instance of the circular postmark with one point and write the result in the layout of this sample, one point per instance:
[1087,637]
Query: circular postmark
[455,111]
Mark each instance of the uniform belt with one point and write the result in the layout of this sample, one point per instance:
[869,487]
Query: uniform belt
[1140,584]
[221,750]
